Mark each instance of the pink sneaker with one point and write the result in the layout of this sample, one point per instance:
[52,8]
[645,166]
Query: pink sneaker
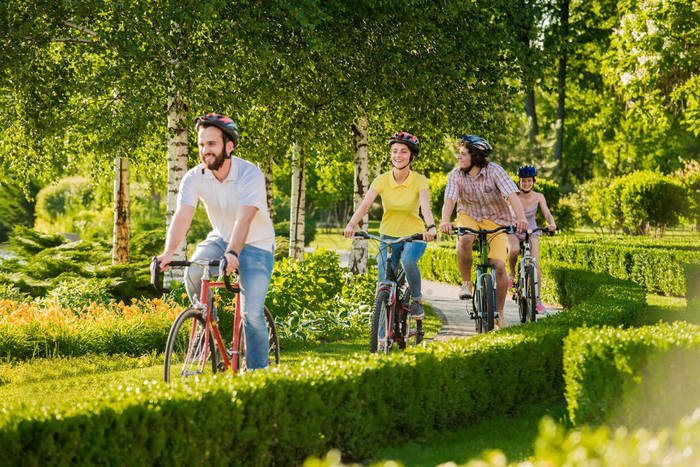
[541,308]
[511,282]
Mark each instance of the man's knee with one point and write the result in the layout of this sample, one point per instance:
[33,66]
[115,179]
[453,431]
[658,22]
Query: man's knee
[499,266]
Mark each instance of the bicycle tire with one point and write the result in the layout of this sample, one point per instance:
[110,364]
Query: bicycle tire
[476,300]
[272,342]
[489,300]
[520,295]
[180,352]
[380,322]
[531,296]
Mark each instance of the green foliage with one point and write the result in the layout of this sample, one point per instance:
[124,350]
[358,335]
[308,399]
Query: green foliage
[282,229]
[73,204]
[692,280]
[644,376]
[9,292]
[80,294]
[315,298]
[437,183]
[639,200]
[657,268]
[455,382]
[15,208]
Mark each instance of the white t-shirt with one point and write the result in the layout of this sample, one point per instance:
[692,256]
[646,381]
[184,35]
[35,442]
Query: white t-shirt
[244,186]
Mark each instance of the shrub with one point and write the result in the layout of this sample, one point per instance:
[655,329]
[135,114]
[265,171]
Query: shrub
[77,295]
[639,200]
[656,268]
[15,208]
[692,281]
[630,377]
[282,229]
[31,329]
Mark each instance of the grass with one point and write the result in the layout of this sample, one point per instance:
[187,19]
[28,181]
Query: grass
[46,382]
[514,435]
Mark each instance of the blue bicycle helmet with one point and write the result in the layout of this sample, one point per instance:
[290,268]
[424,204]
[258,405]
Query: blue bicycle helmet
[527,171]
[406,138]
[478,142]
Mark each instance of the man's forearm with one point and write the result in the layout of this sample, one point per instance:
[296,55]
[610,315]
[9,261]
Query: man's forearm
[447,208]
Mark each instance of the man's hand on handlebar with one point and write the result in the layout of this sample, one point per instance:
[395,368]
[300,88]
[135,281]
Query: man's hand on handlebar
[521,225]
[164,260]
[231,263]
[446,227]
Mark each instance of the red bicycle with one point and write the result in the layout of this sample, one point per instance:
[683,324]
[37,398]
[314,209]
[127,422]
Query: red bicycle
[194,344]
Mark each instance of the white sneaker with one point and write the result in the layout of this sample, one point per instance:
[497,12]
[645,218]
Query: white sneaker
[465,292]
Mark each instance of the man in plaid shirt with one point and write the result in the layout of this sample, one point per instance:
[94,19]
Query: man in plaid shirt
[482,192]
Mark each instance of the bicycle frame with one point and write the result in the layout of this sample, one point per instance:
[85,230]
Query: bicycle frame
[211,322]
[396,311]
[482,267]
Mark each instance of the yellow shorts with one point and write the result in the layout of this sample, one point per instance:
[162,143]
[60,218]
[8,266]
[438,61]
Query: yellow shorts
[498,242]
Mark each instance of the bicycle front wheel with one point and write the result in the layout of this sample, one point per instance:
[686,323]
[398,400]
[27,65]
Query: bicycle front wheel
[187,352]
[378,341]
[531,299]
[520,294]
[488,302]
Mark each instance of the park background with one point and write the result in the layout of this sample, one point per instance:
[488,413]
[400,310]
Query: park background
[99,100]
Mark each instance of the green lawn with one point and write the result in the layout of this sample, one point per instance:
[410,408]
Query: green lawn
[514,435]
[49,381]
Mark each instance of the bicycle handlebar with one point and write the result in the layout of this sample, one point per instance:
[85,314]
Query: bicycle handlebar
[157,276]
[408,238]
[460,231]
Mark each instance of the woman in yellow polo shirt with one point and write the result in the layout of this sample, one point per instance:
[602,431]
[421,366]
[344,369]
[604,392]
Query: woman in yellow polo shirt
[403,192]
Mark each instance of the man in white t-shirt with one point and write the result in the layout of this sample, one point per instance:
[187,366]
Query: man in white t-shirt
[233,193]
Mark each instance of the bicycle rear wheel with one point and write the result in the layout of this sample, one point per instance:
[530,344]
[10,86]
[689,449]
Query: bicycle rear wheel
[378,341]
[272,342]
[531,297]
[488,302]
[186,352]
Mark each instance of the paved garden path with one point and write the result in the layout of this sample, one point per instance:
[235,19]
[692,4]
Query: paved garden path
[452,311]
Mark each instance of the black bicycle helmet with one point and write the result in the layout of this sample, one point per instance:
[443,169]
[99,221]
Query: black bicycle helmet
[406,138]
[478,142]
[527,171]
[222,122]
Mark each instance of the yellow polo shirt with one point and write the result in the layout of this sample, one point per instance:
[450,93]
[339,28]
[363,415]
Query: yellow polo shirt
[401,203]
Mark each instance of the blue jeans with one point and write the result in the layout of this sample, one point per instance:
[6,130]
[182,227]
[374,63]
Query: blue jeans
[408,253]
[255,268]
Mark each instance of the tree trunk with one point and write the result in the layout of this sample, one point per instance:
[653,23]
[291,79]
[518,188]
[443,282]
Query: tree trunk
[122,212]
[531,112]
[177,167]
[268,185]
[297,204]
[357,263]
[561,79]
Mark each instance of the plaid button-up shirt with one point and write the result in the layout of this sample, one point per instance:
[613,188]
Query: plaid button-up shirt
[483,196]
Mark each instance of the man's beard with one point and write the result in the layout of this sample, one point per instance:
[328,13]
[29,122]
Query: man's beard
[217,162]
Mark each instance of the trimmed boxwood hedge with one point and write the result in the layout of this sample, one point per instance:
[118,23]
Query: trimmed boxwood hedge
[657,269]
[643,376]
[282,415]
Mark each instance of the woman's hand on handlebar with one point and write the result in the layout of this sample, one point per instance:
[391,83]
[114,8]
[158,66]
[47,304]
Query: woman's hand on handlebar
[349,231]
[552,227]
[429,235]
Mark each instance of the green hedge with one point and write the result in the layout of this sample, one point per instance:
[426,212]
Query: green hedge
[658,270]
[281,416]
[692,281]
[643,376]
